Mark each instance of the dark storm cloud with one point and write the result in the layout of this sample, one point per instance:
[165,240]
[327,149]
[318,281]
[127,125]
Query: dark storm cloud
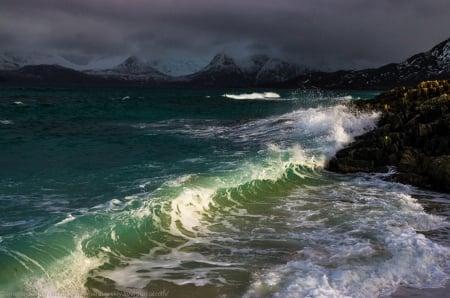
[318,32]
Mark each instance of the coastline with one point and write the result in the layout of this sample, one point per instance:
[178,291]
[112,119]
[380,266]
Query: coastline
[411,135]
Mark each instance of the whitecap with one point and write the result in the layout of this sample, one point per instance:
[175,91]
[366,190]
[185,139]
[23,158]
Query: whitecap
[254,95]
[344,98]
[69,218]
[65,277]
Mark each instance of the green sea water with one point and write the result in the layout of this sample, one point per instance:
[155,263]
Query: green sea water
[203,193]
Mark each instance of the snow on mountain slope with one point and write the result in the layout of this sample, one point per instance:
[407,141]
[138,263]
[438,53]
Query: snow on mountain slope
[10,61]
[442,54]
[133,68]
[434,61]
[104,62]
[252,64]
[222,63]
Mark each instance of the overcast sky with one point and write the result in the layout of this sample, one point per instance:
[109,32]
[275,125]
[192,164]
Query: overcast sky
[344,33]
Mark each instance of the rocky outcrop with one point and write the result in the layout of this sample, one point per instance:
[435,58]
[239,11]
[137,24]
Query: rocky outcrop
[413,134]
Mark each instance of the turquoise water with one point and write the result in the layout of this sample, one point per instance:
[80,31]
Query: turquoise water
[194,193]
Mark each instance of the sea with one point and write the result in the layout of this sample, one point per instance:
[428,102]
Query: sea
[134,192]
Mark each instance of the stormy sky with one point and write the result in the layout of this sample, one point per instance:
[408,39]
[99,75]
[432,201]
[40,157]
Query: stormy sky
[318,33]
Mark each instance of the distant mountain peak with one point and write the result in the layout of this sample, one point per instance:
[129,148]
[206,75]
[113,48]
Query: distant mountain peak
[221,59]
[434,61]
[253,64]
[133,61]
[11,61]
[134,65]
[442,53]
[132,68]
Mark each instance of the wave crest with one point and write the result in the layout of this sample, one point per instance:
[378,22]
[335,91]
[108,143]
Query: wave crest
[254,95]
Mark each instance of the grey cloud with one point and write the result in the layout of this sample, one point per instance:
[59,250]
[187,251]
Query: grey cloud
[317,32]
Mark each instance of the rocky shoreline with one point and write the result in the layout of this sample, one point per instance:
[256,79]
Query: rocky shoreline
[413,134]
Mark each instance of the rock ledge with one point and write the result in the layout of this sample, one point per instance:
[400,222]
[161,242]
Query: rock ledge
[413,135]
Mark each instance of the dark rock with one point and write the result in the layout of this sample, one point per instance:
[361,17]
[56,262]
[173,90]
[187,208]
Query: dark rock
[412,134]
[438,169]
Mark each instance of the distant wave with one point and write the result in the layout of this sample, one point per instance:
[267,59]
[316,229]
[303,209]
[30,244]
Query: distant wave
[346,97]
[6,122]
[254,95]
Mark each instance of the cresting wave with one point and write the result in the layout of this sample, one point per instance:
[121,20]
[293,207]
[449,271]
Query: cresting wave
[275,221]
[187,208]
[195,208]
[254,95]
[153,239]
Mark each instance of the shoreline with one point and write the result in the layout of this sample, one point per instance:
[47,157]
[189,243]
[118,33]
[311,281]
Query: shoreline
[412,135]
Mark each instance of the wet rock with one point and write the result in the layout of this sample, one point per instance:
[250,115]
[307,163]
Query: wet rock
[413,134]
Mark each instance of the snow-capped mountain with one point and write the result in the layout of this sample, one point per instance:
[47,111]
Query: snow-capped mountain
[441,53]
[222,71]
[253,64]
[429,65]
[104,62]
[11,61]
[134,65]
[248,71]
[132,69]
[432,62]
[222,63]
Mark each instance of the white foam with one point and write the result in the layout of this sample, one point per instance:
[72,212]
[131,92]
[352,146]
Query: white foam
[344,98]
[335,125]
[112,205]
[186,202]
[187,210]
[254,95]
[66,277]
[69,218]
[342,262]
[6,122]
[186,207]
[140,272]
[326,128]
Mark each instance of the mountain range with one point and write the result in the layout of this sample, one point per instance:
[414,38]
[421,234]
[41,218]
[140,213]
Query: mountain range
[429,65]
[222,71]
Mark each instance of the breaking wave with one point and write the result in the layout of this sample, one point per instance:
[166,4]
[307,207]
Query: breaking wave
[275,219]
[254,95]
